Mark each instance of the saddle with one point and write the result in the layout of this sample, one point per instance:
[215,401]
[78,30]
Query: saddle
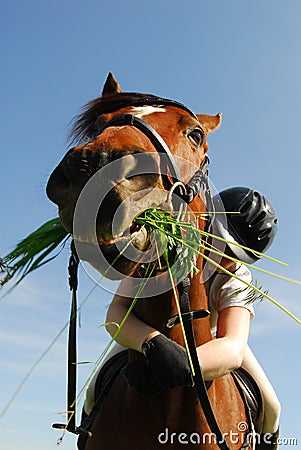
[245,383]
[106,377]
[252,398]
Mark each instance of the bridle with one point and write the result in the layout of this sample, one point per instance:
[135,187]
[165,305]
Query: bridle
[154,137]
[197,185]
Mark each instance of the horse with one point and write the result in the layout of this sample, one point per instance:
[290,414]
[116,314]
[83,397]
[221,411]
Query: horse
[109,131]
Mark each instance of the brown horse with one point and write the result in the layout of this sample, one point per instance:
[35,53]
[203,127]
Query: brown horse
[127,419]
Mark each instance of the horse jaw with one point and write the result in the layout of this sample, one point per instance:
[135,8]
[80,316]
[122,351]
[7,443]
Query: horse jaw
[108,258]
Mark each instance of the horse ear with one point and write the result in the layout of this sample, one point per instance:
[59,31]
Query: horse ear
[111,86]
[210,123]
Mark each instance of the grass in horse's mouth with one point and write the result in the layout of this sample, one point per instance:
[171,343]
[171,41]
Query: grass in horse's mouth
[195,243]
[170,234]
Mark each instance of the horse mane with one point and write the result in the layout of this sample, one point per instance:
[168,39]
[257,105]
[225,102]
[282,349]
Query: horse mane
[83,125]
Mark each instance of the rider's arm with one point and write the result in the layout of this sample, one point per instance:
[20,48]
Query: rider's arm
[134,332]
[225,353]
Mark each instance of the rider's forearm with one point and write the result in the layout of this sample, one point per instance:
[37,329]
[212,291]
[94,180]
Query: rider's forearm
[133,333]
[219,357]
[225,353]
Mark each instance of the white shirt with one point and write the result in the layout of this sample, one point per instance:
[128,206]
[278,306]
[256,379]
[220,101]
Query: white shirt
[225,291]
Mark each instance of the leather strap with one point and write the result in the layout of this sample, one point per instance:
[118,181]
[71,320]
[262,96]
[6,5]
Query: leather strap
[130,99]
[187,316]
[72,341]
[199,382]
[72,351]
[150,132]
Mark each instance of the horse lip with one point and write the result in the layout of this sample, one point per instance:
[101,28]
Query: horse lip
[126,236]
[129,233]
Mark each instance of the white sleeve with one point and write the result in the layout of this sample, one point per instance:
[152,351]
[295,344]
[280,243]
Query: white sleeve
[226,291]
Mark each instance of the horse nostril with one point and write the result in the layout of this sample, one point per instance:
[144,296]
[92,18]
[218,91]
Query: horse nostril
[134,228]
[57,185]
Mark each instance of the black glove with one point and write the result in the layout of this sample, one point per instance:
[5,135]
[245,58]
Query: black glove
[164,366]
[139,377]
[168,363]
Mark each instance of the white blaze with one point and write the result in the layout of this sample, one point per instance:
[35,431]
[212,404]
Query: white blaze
[141,111]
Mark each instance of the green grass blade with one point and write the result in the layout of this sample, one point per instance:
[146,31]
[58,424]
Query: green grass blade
[33,251]
[155,220]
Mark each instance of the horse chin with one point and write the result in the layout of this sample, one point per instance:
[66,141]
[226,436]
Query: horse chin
[116,257]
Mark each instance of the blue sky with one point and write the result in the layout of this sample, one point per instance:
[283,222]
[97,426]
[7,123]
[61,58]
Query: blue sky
[238,57]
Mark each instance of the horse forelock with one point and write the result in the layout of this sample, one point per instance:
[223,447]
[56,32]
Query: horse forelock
[83,125]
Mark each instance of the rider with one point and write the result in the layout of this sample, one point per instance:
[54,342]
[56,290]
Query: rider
[253,225]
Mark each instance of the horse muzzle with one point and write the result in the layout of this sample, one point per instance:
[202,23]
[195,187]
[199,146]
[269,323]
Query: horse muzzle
[100,194]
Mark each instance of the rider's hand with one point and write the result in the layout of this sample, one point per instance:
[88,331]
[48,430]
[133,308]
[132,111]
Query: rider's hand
[164,366]
[138,375]
[168,363]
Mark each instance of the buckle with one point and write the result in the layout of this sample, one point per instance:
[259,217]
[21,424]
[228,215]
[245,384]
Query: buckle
[187,317]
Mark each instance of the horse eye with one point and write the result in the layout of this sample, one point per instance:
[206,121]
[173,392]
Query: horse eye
[196,136]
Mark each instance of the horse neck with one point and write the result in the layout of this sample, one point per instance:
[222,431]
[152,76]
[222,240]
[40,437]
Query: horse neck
[158,309]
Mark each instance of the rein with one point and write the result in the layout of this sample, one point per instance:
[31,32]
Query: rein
[197,185]
[188,316]
[72,351]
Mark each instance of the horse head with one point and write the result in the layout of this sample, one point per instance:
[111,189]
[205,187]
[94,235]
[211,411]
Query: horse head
[117,170]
